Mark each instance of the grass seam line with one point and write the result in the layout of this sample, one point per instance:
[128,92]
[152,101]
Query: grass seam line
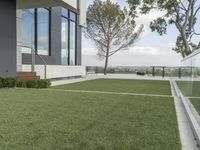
[193,97]
[104,92]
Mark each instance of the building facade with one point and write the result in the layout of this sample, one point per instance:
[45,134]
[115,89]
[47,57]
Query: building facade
[42,36]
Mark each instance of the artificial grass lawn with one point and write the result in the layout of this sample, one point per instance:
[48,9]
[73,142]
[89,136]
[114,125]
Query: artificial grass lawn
[121,85]
[196,104]
[58,120]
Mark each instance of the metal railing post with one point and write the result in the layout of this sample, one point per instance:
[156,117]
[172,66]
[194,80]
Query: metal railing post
[163,72]
[180,72]
[33,60]
[45,71]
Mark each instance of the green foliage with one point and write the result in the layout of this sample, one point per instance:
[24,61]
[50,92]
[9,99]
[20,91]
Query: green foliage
[8,82]
[159,25]
[1,82]
[43,83]
[182,14]
[12,82]
[31,84]
[21,84]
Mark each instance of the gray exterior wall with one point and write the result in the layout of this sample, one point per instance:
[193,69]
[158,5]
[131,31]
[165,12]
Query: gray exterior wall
[8,38]
[55,50]
[79,46]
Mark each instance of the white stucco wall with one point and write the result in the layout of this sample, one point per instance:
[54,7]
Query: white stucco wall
[73,3]
[82,16]
[56,71]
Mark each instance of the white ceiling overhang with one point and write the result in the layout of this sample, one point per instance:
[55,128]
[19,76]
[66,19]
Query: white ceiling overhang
[72,4]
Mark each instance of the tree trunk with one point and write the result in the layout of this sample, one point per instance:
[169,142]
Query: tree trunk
[106,65]
[185,43]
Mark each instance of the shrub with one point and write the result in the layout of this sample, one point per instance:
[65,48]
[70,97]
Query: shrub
[31,84]
[9,82]
[43,83]
[1,82]
[21,84]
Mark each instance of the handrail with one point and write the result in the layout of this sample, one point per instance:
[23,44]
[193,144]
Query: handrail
[34,52]
[44,62]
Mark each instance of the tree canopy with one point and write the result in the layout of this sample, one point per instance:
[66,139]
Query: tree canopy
[111,28]
[182,13]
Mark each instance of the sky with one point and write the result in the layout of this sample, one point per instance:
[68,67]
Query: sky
[150,50]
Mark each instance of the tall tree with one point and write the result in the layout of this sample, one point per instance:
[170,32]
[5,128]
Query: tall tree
[111,28]
[181,13]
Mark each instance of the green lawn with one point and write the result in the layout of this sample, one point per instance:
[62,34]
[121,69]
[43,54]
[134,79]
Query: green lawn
[60,120]
[126,86]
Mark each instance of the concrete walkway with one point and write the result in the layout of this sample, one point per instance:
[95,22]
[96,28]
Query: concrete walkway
[109,76]
[68,81]
[131,76]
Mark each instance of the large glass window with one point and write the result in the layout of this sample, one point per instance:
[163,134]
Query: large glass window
[43,31]
[69,30]
[65,12]
[72,43]
[65,39]
[28,30]
[35,30]
[73,16]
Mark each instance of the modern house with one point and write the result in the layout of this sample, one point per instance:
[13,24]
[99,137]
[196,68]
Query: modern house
[42,36]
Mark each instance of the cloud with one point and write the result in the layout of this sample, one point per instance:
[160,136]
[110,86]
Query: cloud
[146,19]
[114,1]
[140,50]
[89,51]
[171,44]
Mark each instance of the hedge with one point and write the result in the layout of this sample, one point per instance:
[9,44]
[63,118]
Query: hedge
[7,82]
[12,82]
[43,83]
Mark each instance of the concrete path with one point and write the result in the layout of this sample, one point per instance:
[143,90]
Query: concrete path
[68,81]
[130,76]
[109,76]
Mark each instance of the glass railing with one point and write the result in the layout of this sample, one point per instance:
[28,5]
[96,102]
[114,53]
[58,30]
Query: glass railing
[189,84]
[157,71]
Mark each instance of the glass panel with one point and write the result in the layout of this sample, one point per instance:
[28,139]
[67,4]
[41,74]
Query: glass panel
[65,12]
[72,43]
[43,32]
[72,16]
[28,30]
[64,52]
[190,83]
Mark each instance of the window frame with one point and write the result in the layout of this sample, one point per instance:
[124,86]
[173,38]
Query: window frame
[49,30]
[35,44]
[76,31]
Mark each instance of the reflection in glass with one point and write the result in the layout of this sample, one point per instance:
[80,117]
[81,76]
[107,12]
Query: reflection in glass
[72,16]
[190,82]
[72,42]
[43,32]
[64,52]
[65,12]
[27,30]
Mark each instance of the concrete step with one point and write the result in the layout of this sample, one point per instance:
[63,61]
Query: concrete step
[27,76]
